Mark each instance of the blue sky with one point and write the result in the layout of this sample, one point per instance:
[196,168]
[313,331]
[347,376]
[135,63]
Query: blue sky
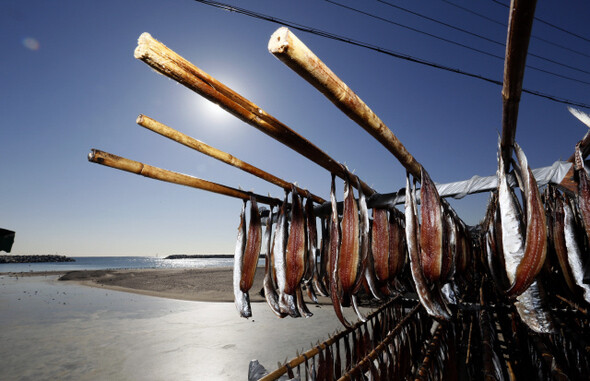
[69,83]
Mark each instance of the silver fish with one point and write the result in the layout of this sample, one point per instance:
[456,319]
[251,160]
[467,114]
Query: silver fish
[241,299]
[334,250]
[535,248]
[574,254]
[270,292]
[286,302]
[433,307]
[529,304]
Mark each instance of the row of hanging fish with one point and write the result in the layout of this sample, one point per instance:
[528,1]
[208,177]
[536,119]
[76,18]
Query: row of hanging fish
[548,232]
[356,256]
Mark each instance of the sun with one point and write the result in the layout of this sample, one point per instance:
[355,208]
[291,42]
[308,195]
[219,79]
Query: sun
[213,112]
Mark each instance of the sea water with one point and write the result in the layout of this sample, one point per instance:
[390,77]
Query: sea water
[101,263]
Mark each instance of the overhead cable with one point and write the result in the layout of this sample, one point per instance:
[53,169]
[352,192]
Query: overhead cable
[533,36]
[470,47]
[550,24]
[382,50]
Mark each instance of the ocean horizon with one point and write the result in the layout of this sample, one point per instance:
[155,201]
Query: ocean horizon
[118,262]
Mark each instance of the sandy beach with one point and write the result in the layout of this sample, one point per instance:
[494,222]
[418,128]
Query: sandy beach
[144,325]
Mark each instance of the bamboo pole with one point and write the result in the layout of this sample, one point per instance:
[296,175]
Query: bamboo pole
[167,62]
[520,24]
[113,161]
[290,50]
[177,136]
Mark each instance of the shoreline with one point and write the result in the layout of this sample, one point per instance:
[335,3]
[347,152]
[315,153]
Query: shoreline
[203,285]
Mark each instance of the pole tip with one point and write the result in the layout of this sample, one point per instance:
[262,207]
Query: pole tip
[279,40]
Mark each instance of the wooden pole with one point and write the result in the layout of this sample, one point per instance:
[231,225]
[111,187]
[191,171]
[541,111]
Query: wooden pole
[520,23]
[177,136]
[290,50]
[113,161]
[167,62]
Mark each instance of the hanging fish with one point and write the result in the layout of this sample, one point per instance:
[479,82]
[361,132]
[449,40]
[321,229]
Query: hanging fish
[431,230]
[270,291]
[334,252]
[397,244]
[526,258]
[380,244]
[253,246]
[366,272]
[433,306]
[535,250]
[241,299]
[312,276]
[583,189]
[324,262]
[296,246]
[449,247]
[287,302]
[349,258]
[559,240]
[574,253]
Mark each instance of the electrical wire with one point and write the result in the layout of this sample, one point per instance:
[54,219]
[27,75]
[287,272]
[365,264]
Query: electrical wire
[500,43]
[551,25]
[382,50]
[533,36]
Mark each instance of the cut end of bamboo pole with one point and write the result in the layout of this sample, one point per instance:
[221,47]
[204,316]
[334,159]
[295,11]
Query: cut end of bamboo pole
[280,40]
[142,45]
[139,119]
[91,155]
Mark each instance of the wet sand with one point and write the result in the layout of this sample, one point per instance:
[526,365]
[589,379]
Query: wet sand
[204,285]
[62,330]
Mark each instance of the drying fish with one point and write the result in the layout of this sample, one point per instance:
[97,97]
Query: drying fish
[366,269]
[527,257]
[493,245]
[380,244]
[312,276]
[583,189]
[433,306]
[324,272]
[535,249]
[559,239]
[296,246]
[397,245]
[270,292]
[334,252]
[431,231]
[253,245]
[574,253]
[287,302]
[301,306]
[349,258]
[529,303]
[241,299]
[449,246]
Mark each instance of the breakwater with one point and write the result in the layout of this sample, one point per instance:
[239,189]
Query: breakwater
[34,258]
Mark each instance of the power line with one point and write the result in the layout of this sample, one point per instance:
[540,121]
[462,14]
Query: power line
[533,36]
[501,58]
[500,43]
[375,48]
[551,25]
